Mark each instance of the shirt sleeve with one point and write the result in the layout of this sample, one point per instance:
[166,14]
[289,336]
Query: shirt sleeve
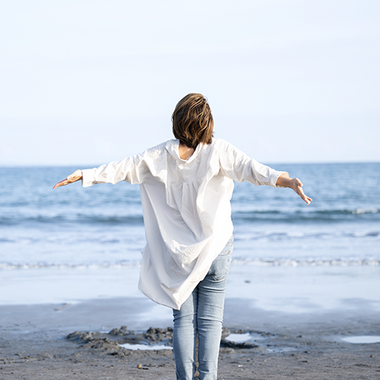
[239,167]
[131,169]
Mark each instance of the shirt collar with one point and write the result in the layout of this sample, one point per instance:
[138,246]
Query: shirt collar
[172,147]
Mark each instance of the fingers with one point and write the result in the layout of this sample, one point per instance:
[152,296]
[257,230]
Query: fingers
[308,200]
[61,183]
[300,192]
[76,176]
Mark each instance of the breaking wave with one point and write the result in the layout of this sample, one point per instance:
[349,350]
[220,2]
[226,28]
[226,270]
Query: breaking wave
[343,262]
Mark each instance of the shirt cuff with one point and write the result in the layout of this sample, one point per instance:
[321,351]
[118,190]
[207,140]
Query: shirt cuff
[273,178]
[88,177]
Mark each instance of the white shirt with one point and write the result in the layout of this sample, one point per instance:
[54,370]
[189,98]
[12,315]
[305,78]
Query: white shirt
[186,207]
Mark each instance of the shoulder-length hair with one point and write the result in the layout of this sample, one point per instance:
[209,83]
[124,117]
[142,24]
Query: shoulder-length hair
[192,121]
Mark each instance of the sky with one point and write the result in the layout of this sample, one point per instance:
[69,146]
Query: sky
[87,82]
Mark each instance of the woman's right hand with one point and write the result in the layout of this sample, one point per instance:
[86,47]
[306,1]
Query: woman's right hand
[74,177]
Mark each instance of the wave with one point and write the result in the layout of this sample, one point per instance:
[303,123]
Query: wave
[72,219]
[307,262]
[273,216]
[41,265]
[340,262]
[300,216]
[285,235]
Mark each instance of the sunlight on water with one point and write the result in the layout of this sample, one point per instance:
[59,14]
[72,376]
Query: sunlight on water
[239,338]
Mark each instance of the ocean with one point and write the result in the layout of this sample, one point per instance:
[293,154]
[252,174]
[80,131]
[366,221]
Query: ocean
[50,240]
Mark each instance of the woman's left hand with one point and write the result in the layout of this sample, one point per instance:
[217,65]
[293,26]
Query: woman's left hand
[76,176]
[294,183]
[297,187]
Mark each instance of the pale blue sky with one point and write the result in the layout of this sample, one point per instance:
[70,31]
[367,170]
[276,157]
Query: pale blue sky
[88,82]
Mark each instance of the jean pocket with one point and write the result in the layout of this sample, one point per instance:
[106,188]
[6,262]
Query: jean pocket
[220,267]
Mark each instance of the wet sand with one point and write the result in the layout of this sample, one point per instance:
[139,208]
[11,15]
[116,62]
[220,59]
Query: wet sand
[34,343]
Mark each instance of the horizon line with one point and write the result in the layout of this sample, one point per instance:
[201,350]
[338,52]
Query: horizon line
[266,163]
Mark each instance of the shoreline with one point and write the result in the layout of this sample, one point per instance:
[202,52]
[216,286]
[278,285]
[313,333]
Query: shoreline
[290,289]
[33,342]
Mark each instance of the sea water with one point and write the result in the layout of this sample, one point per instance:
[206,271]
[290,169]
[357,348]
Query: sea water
[73,243]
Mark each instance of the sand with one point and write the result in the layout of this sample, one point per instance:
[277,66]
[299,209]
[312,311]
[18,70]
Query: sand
[34,342]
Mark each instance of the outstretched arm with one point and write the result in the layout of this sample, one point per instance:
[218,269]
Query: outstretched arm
[293,183]
[74,177]
[131,169]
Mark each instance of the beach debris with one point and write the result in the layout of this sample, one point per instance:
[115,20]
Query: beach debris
[227,343]
[225,332]
[93,340]
[122,342]
[119,332]
[62,307]
[159,335]
[79,336]
[242,339]
[140,366]
[112,343]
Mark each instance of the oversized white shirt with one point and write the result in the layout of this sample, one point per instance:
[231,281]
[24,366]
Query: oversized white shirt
[186,207]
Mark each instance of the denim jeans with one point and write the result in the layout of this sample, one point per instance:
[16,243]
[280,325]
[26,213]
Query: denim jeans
[202,313]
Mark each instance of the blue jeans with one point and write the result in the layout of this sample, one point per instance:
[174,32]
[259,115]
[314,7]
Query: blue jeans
[202,313]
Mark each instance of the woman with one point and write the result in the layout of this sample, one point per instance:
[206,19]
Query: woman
[186,187]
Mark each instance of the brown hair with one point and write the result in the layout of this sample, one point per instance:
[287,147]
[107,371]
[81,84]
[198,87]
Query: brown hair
[192,121]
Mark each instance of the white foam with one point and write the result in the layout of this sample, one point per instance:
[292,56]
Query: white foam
[54,266]
[312,262]
[129,346]
[260,262]
[362,339]
[365,211]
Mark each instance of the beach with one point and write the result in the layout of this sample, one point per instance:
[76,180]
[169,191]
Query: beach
[295,334]
[34,346]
